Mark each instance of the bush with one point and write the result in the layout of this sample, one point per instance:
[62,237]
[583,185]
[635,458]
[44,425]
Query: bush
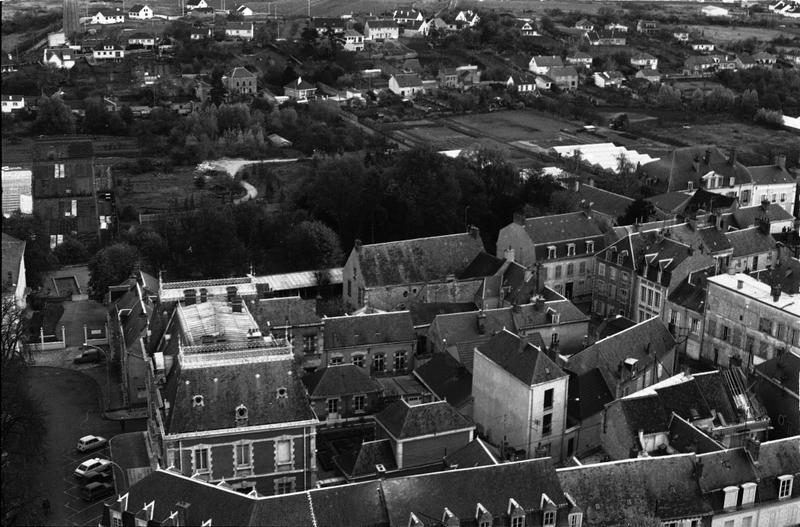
[769,118]
[71,251]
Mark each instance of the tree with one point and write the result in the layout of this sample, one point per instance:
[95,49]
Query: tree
[639,211]
[111,266]
[71,251]
[96,119]
[314,245]
[53,117]
[38,257]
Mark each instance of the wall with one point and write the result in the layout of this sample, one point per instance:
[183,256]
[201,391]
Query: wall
[389,350]
[589,434]
[581,282]
[352,280]
[320,406]
[513,235]
[780,513]
[615,437]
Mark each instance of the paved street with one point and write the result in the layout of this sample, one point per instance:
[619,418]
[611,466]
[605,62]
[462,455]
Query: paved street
[72,403]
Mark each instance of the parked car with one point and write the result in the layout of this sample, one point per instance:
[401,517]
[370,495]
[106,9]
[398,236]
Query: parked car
[96,490]
[89,355]
[106,476]
[93,466]
[90,442]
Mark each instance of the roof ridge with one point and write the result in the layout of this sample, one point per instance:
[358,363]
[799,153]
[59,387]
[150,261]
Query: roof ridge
[629,460]
[421,237]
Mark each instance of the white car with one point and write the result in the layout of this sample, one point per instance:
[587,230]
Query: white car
[89,443]
[93,466]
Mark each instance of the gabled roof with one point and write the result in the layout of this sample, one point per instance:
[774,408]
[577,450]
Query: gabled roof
[424,314]
[749,242]
[610,326]
[684,437]
[638,342]
[518,357]
[136,8]
[365,330]
[300,84]
[778,458]
[462,489]
[615,492]
[339,380]
[603,201]
[417,260]
[725,468]
[407,80]
[785,368]
[404,421]
[484,264]
[280,312]
[547,60]
[225,387]
[239,26]
[362,461]
[381,23]
[446,378]
[561,227]
[588,394]
[674,171]
[557,72]
[747,216]
[241,73]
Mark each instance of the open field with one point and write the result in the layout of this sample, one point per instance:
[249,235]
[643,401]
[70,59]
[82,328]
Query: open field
[158,191]
[734,33]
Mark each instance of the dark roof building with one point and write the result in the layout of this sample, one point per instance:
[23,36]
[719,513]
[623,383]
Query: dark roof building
[685,169]
[367,330]
[340,380]
[404,421]
[525,361]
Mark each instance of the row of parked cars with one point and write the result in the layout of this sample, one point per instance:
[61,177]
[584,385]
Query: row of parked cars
[95,474]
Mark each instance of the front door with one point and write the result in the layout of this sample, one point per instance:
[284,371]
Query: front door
[568,290]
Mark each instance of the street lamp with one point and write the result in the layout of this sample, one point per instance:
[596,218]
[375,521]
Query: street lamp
[108,373]
[122,470]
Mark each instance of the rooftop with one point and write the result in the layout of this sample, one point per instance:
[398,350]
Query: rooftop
[368,329]
[518,357]
[759,291]
[405,421]
[340,380]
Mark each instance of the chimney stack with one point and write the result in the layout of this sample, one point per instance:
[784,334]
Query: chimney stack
[732,157]
[481,322]
[474,231]
[780,161]
[357,245]
[739,284]
[576,185]
[753,447]
[775,290]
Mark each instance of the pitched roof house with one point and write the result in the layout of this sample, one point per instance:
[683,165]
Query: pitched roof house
[341,392]
[299,89]
[381,342]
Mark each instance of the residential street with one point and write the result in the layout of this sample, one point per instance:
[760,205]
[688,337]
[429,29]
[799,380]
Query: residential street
[72,403]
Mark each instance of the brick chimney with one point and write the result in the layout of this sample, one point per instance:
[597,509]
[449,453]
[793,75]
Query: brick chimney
[780,161]
[732,157]
[474,231]
[357,245]
[481,322]
[519,219]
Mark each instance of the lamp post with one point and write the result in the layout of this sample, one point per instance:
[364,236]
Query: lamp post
[108,373]
[122,471]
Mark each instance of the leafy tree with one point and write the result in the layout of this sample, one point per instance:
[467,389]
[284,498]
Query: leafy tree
[749,102]
[38,257]
[639,211]
[769,118]
[53,117]
[71,251]
[96,119]
[111,266]
[314,245]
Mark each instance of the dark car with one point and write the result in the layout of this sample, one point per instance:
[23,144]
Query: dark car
[89,355]
[96,490]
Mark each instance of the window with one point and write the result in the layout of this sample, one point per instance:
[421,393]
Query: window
[582,268]
[547,425]
[625,276]
[783,197]
[558,271]
[116,521]
[284,457]
[551,251]
[241,415]
[694,326]
[310,343]
[242,455]
[518,521]
[729,523]
[548,398]
[554,339]
[349,288]
[575,519]
[765,325]
[649,297]
[747,521]
[58,171]
[612,273]
[623,293]
[601,269]
[570,249]
[335,361]
[284,485]
[601,287]
[784,487]
[570,269]
[642,294]
[399,360]
[379,362]
[590,247]
[549,519]
[748,493]
[201,461]
[333,406]
[359,403]
[358,360]
[725,333]
[657,299]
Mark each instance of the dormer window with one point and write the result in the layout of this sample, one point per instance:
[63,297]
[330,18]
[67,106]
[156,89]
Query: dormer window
[414,521]
[621,257]
[549,518]
[449,519]
[553,315]
[570,249]
[785,486]
[551,251]
[590,247]
[748,493]
[282,393]
[241,415]
[731,497]
[483,516]
[575,519]
[516,513]
[197,401]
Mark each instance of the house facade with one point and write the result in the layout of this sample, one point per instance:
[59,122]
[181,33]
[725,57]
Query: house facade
[239,30]
[140,12]
[59,58]
[381,30]
[406,84]
[295,319]
[541,64]
[748,322]
[242,81]
[342,392]
[353,40]
[300,90]
[12,103]
[520,396]
[107,16]
[109,53]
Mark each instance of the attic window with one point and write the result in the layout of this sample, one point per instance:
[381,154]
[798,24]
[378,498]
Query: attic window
[551,251]
[197,400]
[283,393]
[570,249]
[590,247]
[621,257]
[690,185]
[241,414]
[553,315]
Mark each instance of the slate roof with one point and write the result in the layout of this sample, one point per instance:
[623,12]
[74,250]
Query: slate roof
[561,227]
[611,326]
[558,72]
[750,241]
[404,421]
[286,311]
[675,170]
[484,264]
[746,216]
[476,453]
[684,399]
[612,492]
[366,330]
[547,61]
[460,330]
[770,175]
[13,255]
[339,380]
[407,80]
[136,8]
[684,437]
[637,342]
[241,73]
[352,505]
[361,462]
[252,384]
[381,23]
[446,378]
[462,489]
[424,314]
[417,260]
[725,468]
[785,367]
[520,358]
[588,394]
[300,84]
[778,458]
[529,316]
[691,295]
[603,201]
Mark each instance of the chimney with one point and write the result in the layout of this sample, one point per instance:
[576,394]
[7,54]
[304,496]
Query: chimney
[481,322]
[690,250]
[519,219]
[753,447]
[474,231]
[698,469]
[764,204]
[189,297]
[780,161]
[508,254]
[732,157]
[775,290]
[357,245]
[236,305]
[707,157]
[739,284]
[576,185]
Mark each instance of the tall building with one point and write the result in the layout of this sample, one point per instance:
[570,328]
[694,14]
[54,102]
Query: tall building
[17,191]
[70,17]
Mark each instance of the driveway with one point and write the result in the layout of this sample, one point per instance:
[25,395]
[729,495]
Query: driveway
[76,314]
[70,399]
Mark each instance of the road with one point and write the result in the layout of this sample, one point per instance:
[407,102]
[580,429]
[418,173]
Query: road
[71,400]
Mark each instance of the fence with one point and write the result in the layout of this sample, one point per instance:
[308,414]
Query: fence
[50,342]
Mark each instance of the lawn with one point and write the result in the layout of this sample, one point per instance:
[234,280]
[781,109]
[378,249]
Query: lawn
[159,191]
[734,33]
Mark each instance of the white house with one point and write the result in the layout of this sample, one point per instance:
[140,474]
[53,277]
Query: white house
[107,16]
[615,26]
[608,79]
[243,30]
[140,12]
[191,5]
[61,58]
[521,82]
[243,10]
[353,40]
[644,60]
[381,30]
[142,39]
[714,11]
[469,17]
[108,52]
[13,103]
[406,84]
[542,64]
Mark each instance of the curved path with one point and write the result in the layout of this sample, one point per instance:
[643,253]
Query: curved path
[233,166]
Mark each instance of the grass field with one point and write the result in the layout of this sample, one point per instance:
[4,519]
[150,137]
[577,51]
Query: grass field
[158,191]
[732,33]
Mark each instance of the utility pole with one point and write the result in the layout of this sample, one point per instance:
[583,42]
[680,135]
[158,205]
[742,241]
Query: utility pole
[309,8]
